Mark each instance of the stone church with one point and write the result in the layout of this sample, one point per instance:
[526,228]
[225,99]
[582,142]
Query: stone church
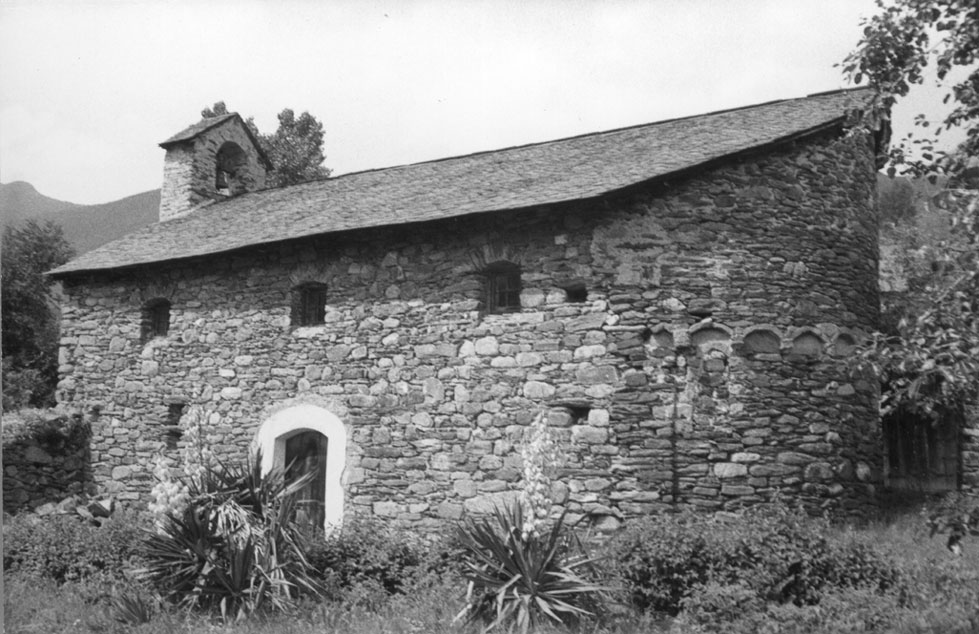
[681,299]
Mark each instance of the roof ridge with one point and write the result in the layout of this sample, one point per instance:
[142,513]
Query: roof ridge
[588,134]
[211,122]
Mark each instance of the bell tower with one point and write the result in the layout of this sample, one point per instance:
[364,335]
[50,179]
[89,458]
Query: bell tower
[214,159]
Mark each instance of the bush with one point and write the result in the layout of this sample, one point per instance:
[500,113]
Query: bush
[957,516]
[781,556]
[366,551]
[54,430]
[67,548]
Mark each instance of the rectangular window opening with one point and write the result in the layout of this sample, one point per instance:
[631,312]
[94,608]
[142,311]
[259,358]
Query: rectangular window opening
[503,292]
[921,456]
[172,431]
[309,305]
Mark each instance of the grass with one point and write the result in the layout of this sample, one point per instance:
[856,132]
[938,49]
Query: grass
[939,593]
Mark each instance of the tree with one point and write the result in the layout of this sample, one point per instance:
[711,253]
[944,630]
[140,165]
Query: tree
[897,46]
[30,315]
[929,363]
[295,148]
[895,199]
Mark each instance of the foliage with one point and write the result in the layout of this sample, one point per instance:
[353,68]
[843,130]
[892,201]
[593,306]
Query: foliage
[55,431]
[773,553]
[30,314]
[33,606]
[539,453]
[170,496]
[956,516]
[366,551]
[895,198]
[234,548]
[66,548]
[523,579]
[898,44]
[929,363]
[939,594]
[295,148]
[132,608]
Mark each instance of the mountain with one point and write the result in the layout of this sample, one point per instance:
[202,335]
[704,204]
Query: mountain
[20,201]
[85,226]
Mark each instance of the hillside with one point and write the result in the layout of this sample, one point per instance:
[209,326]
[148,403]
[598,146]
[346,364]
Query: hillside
[85,226]
[20,201]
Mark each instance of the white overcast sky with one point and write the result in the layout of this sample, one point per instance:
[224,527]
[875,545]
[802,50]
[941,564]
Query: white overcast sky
[88,89]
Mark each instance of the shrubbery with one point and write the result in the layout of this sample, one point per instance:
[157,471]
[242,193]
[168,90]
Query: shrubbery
[768,554]
[68,548]
[367,551]
[768,571]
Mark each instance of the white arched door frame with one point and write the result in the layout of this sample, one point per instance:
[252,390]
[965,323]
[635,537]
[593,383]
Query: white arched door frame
[271,440]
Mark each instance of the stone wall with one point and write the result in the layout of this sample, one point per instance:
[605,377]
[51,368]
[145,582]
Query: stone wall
[705,365]
[45,459]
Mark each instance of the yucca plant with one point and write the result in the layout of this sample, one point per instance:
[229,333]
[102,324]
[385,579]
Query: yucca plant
[234,547]
[521,578]
[132,608]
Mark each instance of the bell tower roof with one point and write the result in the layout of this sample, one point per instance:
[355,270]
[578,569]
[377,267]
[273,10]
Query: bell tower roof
[193,131]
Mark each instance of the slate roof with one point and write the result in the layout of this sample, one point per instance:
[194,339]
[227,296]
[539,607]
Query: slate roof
[520,177]
[192,131]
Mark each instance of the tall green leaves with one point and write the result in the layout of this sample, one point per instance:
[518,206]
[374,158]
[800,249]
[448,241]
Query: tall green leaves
[522,579]
[30,313]
[524,571]
[234,548]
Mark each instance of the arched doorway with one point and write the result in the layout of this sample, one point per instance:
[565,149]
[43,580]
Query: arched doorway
[308,439]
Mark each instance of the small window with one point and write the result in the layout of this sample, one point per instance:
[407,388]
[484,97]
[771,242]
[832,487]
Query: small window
[172,431]
[577,293]
[502,288]
[309,304]
[155,319]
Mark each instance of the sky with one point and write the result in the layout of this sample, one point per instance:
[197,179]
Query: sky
[88,89]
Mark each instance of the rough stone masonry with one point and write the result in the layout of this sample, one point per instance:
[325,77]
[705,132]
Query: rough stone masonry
[689,340]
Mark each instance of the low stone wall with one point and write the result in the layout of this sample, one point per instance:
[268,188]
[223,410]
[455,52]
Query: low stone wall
[46,458]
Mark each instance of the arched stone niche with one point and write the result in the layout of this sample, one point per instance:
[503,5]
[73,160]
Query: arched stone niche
[711,336]
[807,344]
[273,438]
[844,345]
[661,337]
[761,341]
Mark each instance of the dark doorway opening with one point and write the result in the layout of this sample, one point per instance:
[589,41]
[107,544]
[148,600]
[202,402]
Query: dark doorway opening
[923,455]
[306,454]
